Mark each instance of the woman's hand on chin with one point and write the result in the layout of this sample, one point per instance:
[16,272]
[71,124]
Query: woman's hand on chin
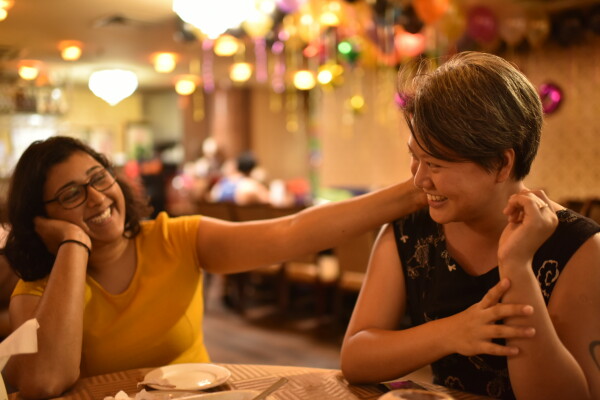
[54,231]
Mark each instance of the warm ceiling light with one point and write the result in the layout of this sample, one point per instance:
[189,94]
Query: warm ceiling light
[226,45]
[213,17]
[186,85]
[29,69]
[3,14]
[240,72]
[70,50]
[304,80]
[164,62]
[113,85]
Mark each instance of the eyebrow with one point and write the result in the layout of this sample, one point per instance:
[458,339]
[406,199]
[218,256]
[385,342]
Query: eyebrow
[71,183]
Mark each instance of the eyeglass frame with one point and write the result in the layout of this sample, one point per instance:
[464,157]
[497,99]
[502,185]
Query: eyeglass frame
[85,187]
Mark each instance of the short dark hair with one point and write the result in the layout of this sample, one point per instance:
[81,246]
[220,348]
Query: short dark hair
[473,107]
[246,163]
[24,249]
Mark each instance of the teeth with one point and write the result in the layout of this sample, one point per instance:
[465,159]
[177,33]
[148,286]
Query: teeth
[102,217]
[435,198]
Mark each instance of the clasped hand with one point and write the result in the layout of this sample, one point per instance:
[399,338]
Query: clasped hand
[476,327]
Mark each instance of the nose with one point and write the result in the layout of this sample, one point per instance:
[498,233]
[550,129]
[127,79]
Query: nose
[94,196]
[420,173]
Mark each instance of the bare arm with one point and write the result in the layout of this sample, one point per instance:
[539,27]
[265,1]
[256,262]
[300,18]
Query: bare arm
[375,350]
[561,360]
[225,247]
[59,311]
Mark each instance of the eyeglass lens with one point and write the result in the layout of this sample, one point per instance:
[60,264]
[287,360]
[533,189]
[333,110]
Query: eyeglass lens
[75,195]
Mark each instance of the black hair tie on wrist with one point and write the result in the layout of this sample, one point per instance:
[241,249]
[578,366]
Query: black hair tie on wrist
[77,242]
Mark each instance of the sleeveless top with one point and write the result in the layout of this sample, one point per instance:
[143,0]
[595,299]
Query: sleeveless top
[437,287]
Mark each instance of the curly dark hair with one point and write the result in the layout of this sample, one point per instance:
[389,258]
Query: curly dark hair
[473,107]
[24,249]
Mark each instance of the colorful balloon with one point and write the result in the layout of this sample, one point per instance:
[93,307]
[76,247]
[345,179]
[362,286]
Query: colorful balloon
[409,44]
[430,11]
[289,6]
[551,96]
[453,24]
[513,26]
[538,28]
[482,24]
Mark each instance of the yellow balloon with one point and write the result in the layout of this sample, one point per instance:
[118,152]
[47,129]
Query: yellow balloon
[453,23]
[538,28]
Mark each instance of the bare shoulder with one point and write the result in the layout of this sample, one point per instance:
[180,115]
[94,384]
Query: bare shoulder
[576,295]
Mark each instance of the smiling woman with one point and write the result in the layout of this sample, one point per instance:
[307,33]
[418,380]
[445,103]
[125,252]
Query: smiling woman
[113,290]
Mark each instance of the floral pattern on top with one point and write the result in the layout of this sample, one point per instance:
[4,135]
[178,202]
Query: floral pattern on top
[437,287]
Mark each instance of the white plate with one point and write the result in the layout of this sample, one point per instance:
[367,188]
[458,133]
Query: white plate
[198,376]
[226,395]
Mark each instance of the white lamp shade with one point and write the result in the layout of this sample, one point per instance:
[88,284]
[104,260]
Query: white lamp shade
[113,85]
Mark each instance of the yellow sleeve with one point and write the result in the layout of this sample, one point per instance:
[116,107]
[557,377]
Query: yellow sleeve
[35,288]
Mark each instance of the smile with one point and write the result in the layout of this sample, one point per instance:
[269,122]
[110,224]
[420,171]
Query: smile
[432,197]
[104,216]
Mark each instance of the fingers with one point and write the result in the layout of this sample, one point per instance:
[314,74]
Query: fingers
[493,296]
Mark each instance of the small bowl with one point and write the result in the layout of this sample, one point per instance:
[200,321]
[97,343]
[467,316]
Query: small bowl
[415,394]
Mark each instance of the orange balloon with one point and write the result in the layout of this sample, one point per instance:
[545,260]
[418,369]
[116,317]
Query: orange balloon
[430,11]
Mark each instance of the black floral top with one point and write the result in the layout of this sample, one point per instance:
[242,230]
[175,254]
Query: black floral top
[437,287]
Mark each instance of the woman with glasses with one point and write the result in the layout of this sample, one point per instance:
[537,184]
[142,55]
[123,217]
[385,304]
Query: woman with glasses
[112,291]
[500,283]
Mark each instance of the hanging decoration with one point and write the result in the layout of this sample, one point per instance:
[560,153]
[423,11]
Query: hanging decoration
[551,96]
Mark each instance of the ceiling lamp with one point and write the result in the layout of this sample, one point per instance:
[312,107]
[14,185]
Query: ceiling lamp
[113,85]
[240,72]
[70,50]
[164,62]
[186,84]
[29,69]
[213,17]
[226,45]
[5,5]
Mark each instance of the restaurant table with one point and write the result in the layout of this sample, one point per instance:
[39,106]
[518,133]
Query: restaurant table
[303,383]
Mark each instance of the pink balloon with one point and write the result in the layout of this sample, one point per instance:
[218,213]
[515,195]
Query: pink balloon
[289,6]
[482,24]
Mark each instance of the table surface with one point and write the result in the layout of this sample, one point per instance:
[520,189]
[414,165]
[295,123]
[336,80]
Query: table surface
[304,383]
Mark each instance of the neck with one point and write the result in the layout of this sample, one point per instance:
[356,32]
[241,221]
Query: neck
[105,254]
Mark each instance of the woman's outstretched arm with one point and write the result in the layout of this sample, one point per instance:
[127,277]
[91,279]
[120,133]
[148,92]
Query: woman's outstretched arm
[226,247]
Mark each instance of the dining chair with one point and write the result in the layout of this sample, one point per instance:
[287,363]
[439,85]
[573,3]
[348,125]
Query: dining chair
[261,285]
[353,258]
[591,209]
[220,210]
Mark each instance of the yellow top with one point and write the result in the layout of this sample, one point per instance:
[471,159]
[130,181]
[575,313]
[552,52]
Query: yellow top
[157,320]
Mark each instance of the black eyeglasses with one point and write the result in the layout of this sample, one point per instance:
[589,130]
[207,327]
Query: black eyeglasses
[75,195]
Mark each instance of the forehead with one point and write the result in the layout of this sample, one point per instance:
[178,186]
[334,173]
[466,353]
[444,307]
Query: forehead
[76,168]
